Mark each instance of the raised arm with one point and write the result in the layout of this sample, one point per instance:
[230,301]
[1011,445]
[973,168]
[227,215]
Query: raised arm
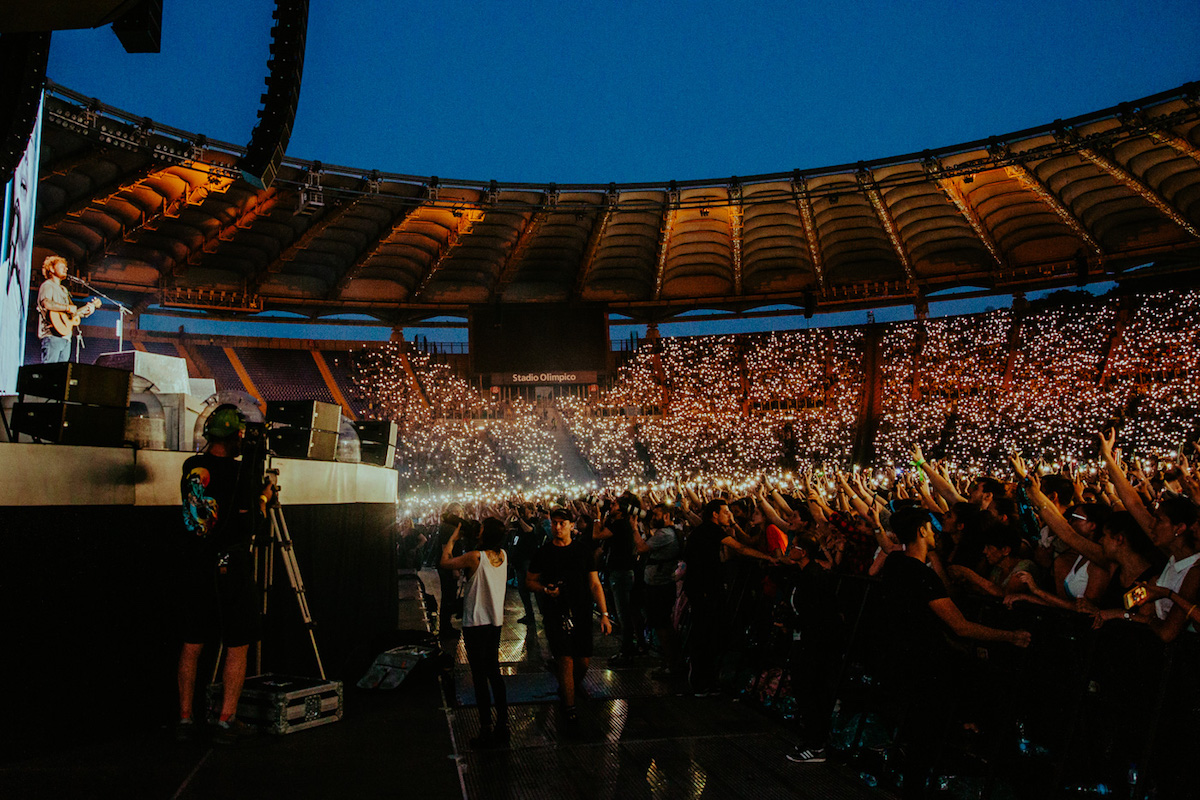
[940,485]
[1053,518]
[468,561]
[1129,496]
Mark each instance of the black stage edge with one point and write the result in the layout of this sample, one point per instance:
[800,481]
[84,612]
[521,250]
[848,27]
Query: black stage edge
[87,613]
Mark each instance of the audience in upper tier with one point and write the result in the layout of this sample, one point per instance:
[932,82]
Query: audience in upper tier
[973,389]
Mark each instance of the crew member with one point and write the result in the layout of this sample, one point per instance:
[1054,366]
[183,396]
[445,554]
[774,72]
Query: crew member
[220,600]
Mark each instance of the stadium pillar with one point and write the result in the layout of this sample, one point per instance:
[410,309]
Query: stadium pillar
[863,451]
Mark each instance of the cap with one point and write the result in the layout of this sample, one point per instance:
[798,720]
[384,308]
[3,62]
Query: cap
[562,513]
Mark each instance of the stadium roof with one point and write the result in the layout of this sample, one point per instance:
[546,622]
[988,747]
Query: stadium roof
[162,214]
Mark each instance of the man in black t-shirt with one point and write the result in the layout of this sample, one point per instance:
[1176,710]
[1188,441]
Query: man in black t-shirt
[526,537]
[617,530]
[222,511]
[919,615]
[562,573]
[818,644]
[706,593]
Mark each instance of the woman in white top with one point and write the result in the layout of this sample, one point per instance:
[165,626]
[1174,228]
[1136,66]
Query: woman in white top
[483,617]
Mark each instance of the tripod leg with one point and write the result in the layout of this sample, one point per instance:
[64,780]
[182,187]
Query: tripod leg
[288,554]
[264,565]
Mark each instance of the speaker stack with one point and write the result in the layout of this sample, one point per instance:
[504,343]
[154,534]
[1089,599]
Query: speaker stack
[304,429]
[269,139]
[81,404]
[377,441]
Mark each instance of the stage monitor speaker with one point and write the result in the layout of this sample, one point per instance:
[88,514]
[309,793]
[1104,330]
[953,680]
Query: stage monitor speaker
[71,423]
[293,442]
[305,414]
[377,431]
[377,453]
[76,383]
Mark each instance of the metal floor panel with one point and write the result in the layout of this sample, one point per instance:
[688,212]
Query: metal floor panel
[540,686]
[638,738]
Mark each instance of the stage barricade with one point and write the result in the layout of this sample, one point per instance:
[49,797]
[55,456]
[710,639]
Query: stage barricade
[1077,710]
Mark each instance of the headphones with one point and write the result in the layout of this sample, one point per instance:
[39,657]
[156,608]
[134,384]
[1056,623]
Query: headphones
[224,422]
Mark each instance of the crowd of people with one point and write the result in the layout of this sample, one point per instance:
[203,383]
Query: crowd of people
[703,571]
[722,512]
[974,388]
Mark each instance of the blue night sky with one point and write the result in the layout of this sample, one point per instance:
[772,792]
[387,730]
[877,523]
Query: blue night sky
[621,91]
[651,91]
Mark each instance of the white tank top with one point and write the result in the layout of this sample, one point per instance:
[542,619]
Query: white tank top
[484,603]
[1077,579]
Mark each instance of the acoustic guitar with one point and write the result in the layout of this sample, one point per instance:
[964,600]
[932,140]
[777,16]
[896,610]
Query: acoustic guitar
[65,323]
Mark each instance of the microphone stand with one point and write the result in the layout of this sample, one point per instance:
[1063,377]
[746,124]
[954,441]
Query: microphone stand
[120,316]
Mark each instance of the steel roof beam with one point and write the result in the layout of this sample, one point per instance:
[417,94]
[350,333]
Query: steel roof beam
[595,236]
[513,260]
[736,213]
[664,240]
[332,214]
[1140,122]
[867,181]
[1138,187]
[953,193]
[803,202]
[463,227]
[1031,182]
[400,215]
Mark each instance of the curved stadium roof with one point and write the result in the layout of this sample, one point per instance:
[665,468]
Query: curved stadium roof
[152,211]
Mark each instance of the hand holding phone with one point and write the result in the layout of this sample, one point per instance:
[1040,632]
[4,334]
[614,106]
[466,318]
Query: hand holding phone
[1135,596]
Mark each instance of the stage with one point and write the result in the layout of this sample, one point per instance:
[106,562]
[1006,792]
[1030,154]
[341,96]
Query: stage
[87,606]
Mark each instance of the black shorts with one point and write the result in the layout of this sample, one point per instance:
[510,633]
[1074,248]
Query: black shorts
[576,643]
[218,605]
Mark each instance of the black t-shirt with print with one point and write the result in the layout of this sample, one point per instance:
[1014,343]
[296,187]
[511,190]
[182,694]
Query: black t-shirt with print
[210,493]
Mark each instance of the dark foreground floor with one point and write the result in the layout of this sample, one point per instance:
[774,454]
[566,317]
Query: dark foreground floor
[639,738]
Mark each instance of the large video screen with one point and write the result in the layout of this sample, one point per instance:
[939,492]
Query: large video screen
[538,338]
[19,197]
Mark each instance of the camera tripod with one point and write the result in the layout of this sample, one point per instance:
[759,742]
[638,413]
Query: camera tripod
[264,568]
[264,572]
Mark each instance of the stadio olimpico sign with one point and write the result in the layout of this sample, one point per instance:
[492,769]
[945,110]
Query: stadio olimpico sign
[543,378]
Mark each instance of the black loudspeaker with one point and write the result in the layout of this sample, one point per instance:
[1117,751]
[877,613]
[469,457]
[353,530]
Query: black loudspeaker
[76,383]
[305,414]
[292,442]
[382,431]
[377,453]
[269,140]
[377,441]
[71,423]
[23,58]
[140,28]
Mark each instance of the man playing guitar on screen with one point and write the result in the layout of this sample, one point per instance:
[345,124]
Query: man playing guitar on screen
[57,315]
